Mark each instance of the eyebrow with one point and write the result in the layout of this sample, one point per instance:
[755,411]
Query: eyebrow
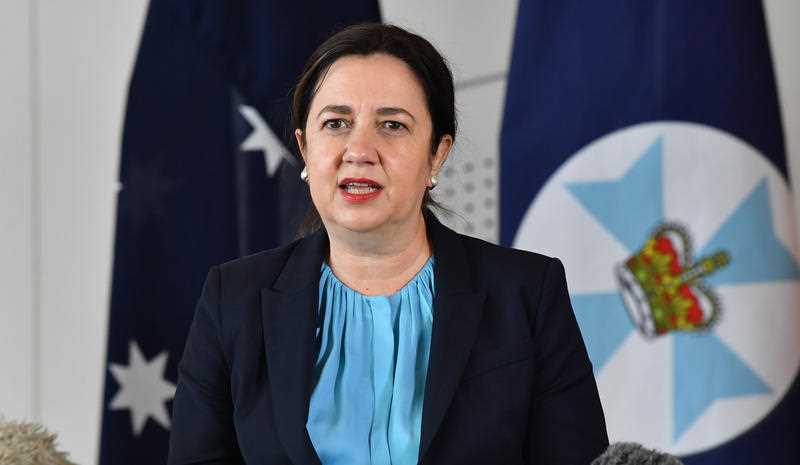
[340,109]
[346,110]
[385,111]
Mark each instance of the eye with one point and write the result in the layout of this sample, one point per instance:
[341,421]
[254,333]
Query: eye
[393,125]
[337,123]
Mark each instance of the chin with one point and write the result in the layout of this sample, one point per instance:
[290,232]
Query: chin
[363,225]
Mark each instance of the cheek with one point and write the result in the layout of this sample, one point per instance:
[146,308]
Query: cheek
[411,177]
[420,166]
[322,171]
[322,160]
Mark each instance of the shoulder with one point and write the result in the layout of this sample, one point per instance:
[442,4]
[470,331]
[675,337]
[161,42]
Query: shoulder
[232,292]
[255,271]
[495,263]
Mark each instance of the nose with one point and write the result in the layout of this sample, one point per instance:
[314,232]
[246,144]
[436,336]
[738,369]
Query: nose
[360,147]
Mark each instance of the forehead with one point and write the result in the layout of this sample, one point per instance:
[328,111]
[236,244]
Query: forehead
[372,80]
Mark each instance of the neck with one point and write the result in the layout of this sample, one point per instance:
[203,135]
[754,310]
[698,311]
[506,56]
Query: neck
[379,262]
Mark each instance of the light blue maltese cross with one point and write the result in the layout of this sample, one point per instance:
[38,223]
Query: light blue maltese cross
[704,367]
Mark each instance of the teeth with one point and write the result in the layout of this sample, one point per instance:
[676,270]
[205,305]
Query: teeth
[357,188]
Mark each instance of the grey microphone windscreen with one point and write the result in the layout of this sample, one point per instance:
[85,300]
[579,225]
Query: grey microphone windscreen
[628,453]
[24,443]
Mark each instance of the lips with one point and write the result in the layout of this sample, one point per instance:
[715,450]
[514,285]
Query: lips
[359,189]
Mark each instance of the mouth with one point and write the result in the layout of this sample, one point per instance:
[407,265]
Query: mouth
[359,189]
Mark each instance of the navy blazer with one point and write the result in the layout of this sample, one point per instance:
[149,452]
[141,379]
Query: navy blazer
[509,380]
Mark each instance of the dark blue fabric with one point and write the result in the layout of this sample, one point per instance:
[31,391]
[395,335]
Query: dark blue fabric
[509,380]
[581,70]
[189,197]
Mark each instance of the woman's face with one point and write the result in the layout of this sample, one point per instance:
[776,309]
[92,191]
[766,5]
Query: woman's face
[367,144]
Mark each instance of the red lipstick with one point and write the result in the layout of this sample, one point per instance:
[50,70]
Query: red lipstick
[357,190]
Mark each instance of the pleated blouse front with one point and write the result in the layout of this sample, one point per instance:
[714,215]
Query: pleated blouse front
[369,373]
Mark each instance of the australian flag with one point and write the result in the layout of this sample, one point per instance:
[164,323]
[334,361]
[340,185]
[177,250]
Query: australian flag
[642,144]
[205,177]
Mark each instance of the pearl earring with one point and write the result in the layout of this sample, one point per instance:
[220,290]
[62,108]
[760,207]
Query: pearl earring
[304,175]
[434,182]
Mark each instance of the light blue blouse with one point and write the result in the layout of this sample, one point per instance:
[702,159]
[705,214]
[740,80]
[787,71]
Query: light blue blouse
[369,374]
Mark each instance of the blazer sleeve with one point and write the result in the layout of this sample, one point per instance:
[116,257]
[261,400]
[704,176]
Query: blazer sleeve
[202,411]
[566,424]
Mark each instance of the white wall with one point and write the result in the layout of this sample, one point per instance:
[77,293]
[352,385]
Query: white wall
[783,16]
[63,83]
[476,38]
[62,90]
[17,212]
[86,53]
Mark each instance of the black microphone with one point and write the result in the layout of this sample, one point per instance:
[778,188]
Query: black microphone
[628,453]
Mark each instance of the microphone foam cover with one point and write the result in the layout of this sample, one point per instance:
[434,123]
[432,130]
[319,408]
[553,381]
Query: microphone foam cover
[628,453]
[24,443]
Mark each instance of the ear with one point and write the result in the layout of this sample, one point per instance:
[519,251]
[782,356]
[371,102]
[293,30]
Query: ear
[442,151]
[298,135]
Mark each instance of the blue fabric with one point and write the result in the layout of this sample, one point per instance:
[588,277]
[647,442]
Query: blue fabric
[369,374]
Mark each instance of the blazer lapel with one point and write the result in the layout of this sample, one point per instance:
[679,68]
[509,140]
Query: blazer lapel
[288,316]
[289,311]
[457,314]
[454,329]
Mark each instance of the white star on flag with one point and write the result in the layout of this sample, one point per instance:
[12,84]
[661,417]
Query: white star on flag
[143,389]
[262,138]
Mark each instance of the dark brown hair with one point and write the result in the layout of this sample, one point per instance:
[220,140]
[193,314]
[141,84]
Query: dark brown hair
[366,39]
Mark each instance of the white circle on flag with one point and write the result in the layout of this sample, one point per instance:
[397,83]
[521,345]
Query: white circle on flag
[707,177]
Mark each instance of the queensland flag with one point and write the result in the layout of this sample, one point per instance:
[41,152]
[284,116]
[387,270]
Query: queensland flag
[205,177]
[642,144]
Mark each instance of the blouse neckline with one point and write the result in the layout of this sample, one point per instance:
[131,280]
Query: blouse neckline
[424,271]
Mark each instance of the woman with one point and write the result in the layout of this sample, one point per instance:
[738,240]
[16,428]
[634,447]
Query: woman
[383,337]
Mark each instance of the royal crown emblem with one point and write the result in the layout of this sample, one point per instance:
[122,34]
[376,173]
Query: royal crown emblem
[662,288]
